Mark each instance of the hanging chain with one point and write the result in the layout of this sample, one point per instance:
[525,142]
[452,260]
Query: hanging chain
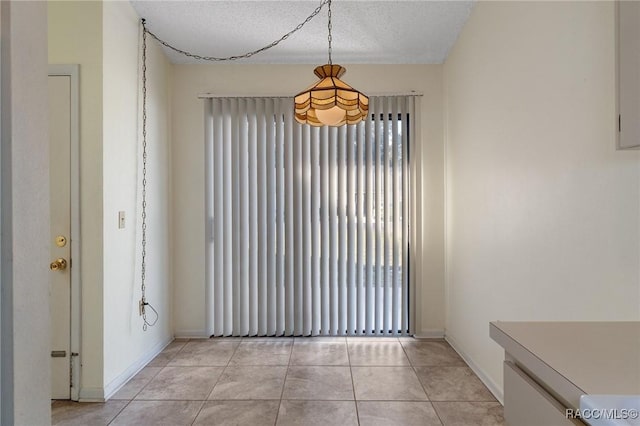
[143,303]
[329,27]
[143,267]
[144,160]
[244,55]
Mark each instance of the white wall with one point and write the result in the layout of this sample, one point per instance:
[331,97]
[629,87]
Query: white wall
[254,80]
[126,346]
[542,212]
[25,218]
[75,37]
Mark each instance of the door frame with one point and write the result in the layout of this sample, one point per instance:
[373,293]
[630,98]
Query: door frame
[73,71]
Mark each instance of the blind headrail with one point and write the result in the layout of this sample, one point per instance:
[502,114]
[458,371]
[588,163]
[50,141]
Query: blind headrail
[219,96]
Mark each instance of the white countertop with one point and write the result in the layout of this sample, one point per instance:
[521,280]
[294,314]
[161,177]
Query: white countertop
[595,357]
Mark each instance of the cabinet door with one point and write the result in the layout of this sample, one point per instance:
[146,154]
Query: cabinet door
[528,404]
[629,73]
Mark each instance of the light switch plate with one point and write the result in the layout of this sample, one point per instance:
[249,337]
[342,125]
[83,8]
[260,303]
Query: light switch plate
[121,220]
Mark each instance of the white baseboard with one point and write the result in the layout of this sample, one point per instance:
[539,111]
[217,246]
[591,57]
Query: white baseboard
[434,333]
[91,395]
[496,390]
[103,394]
[191,334]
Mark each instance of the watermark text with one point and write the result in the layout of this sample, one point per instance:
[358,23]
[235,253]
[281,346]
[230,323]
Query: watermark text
[602,413]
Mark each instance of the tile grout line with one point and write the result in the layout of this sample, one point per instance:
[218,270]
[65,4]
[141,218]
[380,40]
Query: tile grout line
[199,410]
[302,399]
[353,384]
[285,380]
[421,384]
[119,412]
[435,410]
[413,367]
[217,380]
[146,384]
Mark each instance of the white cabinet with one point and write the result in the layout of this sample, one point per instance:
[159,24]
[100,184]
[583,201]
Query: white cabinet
[549,366]
[628,34]
[527,404]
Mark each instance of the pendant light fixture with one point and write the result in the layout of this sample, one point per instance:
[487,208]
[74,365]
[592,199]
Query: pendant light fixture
[330,101]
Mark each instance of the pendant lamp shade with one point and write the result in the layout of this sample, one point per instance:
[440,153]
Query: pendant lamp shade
[330,101]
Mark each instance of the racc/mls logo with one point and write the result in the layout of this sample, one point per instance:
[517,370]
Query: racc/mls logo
[602,414]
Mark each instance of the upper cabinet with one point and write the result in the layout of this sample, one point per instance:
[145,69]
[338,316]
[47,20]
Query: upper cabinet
[628,33]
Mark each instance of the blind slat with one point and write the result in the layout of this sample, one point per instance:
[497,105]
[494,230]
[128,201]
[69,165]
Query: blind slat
[315,233]
[378,218]
[236,260]
[279,189]
[397,237]
[342,231]
[360,294]
[261,184]
[324,214]
[289,226]
[332,237]
[297,229]
[386,153]
[306,231]
[351,285]
[218,195]
[253,218]
[370,260]
[209,196]
[243,204]
[270,278]
[408,189]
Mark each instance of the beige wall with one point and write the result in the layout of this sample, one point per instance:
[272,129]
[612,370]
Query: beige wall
[75,37]
[542,211]
[254,80]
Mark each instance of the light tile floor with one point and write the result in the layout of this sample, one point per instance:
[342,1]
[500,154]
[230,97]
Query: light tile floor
[296,381]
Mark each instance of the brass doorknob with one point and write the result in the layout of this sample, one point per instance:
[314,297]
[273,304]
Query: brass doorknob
[58,265]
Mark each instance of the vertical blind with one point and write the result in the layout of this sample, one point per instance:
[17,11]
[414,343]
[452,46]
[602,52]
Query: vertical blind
[307,229]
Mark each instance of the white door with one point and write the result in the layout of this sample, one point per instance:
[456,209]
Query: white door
[60,283]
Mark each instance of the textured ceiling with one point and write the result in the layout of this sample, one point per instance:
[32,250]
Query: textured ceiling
[364,31]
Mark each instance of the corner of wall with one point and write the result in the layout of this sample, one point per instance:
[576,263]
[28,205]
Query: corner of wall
[119,381]
[494,387]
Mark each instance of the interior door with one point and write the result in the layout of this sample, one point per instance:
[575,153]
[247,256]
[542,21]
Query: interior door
[60,283]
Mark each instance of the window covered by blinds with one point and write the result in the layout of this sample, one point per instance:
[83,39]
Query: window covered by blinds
[307,228]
